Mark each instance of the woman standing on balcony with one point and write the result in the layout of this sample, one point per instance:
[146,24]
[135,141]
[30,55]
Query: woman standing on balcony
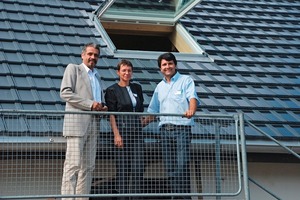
[125,96]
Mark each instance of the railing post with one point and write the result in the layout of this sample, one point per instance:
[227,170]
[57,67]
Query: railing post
[218,159]
[244,156]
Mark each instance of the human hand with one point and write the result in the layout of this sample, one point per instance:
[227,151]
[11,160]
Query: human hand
[104,108]
[96,106]
[143,122]
[118,140]
[189,113]
[146,120]
[99,107]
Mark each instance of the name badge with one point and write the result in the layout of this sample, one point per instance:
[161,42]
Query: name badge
[178,92]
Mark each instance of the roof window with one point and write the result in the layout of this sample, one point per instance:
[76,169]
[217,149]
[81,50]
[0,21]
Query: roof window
[150,25]
[166,12]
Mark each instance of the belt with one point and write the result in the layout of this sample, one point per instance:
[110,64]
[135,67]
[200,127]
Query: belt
[172,127]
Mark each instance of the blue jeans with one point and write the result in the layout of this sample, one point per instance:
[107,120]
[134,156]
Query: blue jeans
[176,154]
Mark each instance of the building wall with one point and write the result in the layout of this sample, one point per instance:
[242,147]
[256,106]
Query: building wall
[282,179]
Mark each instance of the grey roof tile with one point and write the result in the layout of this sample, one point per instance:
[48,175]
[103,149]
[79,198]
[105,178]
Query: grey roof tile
[50,106]
[20,36]
[9,46]
[22,82]
[15,128]
[7,95]
[48,96]
[37,70]
[11,106]
[18,69]
[56,82]
[5,81]
[41,82]
[25,47]
[47,58]
[55,71]
[44,48]
[4,70]
[38,37]
[26,95]
[65,60]
[30,58]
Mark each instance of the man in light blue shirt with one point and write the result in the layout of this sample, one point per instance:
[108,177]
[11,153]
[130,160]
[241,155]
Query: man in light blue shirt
[175,94]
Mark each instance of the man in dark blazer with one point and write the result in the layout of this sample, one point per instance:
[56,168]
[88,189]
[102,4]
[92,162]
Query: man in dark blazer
[82,90]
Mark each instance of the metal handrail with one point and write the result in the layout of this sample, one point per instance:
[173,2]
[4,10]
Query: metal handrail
[264,189]
[273,139]
[280,144]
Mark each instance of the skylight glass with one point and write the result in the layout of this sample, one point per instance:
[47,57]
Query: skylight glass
[147,11]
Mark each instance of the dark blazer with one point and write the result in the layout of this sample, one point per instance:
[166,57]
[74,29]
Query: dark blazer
[118,100]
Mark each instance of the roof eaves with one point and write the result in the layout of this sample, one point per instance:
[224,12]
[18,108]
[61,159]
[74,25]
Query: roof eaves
[154,55]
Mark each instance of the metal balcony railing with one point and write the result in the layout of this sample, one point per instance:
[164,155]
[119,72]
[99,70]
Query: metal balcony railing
[32,155]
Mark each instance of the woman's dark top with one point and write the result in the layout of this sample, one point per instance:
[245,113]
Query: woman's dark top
[117,99]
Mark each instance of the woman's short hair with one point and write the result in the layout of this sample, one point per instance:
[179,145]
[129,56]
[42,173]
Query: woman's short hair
[124,62]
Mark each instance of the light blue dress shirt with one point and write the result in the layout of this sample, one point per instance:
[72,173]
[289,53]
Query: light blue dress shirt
[173,98]
[96,89]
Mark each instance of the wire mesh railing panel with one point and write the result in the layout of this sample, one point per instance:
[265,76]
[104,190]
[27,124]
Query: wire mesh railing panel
[216,156]
[30,153]
[84,154]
